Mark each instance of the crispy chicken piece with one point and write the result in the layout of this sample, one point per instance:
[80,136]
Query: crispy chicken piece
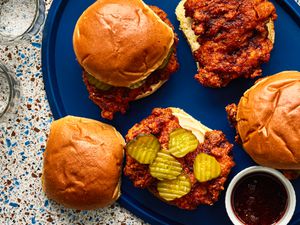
[231,116]
[233,36]
[161,123]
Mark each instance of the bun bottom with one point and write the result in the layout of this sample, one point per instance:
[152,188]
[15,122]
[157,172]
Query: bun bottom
[186,27]
[154,88]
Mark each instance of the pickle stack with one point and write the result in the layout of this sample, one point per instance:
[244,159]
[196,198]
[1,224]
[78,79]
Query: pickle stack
[173,182]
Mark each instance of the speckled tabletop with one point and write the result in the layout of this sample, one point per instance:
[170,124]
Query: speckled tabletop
[22,143]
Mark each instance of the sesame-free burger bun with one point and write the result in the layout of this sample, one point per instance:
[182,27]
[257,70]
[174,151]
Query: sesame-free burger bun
[268,121]
[154,88]
[82,163]
[121,42]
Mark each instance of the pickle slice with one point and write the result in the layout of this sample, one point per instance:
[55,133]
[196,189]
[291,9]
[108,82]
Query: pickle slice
[206,167]
[181,142]
[137,84]
[171,189]
[165,166]
[143,148]
[98,84]
[166,60]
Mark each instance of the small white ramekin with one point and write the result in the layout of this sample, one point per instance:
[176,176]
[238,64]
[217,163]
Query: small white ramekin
[291,197]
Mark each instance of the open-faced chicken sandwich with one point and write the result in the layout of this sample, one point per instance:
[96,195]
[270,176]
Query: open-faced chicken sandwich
[229,38]
[177,158]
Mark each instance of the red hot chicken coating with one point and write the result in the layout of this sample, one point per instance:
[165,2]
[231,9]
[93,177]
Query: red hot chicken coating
[235,38]
[160,124]
[117,99]
[127,51]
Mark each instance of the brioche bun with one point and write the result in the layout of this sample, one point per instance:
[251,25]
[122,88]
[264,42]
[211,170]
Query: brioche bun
[121,42]
[154,88]
[188,122]
[268,121]
[82,163]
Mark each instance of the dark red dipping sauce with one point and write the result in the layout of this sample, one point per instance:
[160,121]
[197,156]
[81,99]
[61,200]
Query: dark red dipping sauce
[259,199]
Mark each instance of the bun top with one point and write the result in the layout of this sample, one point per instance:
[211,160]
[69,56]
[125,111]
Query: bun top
[121,42]
[268,121]
[82,163]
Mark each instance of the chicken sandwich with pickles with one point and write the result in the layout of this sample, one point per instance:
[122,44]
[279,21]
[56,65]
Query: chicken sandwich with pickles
[178,159]
[127,50]
[267,122]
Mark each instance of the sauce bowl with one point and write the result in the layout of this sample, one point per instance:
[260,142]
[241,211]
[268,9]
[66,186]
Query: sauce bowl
[257,173]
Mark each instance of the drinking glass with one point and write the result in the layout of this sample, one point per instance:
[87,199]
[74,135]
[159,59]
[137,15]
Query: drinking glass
[9,94]
[20,20]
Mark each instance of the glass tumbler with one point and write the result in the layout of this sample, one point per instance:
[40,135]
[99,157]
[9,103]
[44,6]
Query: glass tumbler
[20,19]
[9,94]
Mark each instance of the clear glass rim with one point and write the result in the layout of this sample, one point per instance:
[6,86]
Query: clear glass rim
[35,26]
[4,71]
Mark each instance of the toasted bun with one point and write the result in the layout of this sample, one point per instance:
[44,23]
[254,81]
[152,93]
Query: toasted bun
[186,27]
[185,24]
[82,163]
[188,122]
[154,88]
[121,42]
[268,121]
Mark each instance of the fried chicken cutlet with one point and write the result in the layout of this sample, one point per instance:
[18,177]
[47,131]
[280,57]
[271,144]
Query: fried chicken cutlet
[160,124]
[234,37]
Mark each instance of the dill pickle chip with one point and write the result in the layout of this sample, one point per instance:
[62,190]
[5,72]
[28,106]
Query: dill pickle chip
[206,167]
[166,60]
[171,189]
[182,142]
[98,84]
[143,148]
[137,84]
[165,166]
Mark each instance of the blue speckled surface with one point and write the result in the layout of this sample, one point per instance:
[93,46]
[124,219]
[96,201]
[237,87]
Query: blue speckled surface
[22,142]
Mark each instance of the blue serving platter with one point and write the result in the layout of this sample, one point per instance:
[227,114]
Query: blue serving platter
[67,95]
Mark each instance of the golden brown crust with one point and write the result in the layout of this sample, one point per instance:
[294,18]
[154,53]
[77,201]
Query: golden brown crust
[215,144]
[231,111]
[121,42]
[82,163]
[161,123]
[235,38]
[117,99]
[268,121]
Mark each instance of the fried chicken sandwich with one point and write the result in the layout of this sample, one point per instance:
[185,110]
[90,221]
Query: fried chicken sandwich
[178,159]
[127,50]
[267,121]
[228,38]
[83,163]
